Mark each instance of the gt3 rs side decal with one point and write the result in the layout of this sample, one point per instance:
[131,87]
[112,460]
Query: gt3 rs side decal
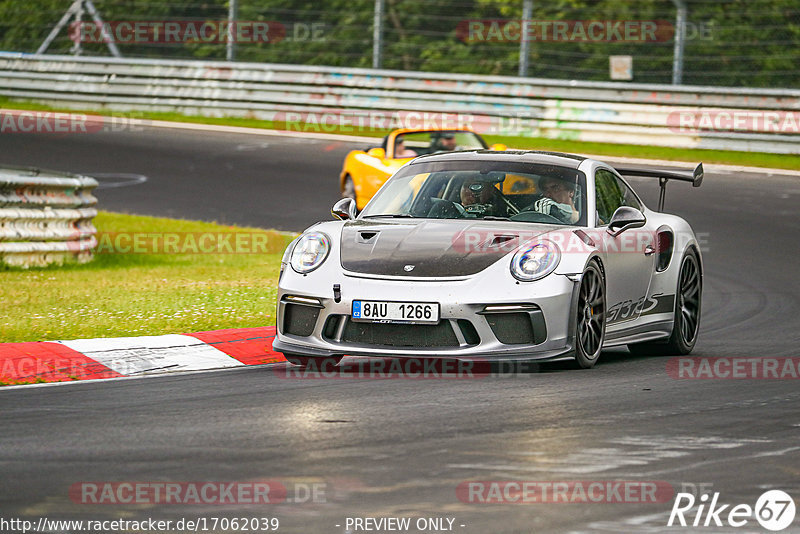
[628,309]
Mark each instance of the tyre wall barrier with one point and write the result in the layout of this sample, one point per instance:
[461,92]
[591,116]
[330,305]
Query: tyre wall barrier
[45,217]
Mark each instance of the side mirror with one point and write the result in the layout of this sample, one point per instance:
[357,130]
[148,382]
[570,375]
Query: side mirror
[500,147]
[625,218]
[344,209]
[697,175]
[376,152]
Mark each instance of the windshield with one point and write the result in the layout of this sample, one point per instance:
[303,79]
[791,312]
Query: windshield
[492,190]
[413,144]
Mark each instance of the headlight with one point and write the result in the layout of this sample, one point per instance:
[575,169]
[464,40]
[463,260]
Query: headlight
[309,252]
[535,260]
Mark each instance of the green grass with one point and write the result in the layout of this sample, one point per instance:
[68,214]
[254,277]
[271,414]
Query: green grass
[38,380]
[137,294]
[754,159]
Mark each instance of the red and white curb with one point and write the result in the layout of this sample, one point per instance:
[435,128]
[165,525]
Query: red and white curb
[92,359]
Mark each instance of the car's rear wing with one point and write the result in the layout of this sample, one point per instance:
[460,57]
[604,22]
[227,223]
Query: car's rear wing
[695,177]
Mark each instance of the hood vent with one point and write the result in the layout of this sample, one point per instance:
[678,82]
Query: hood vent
[366,236]
[498,240]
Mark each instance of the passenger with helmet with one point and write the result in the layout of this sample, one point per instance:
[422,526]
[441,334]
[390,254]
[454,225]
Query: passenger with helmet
[557,200]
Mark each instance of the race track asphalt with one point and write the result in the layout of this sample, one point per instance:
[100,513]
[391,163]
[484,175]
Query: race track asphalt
[398,447]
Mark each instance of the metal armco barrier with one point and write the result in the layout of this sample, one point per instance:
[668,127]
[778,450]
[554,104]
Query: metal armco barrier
[661,115]
[45,217]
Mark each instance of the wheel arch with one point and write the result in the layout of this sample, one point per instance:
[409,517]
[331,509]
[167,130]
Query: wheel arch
[599,261]
[573,306]
[587,359]
[693,247]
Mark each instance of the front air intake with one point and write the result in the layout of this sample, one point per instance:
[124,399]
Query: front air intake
[511,328]
[516,324]
[299,320]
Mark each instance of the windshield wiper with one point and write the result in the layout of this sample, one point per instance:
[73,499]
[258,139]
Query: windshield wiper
[495,218]
[392,215]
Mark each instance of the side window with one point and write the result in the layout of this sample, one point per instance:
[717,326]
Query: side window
[611,194]
[608,195]
[628,198]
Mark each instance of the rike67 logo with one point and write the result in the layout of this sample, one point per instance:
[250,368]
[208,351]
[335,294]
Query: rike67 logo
[774,510]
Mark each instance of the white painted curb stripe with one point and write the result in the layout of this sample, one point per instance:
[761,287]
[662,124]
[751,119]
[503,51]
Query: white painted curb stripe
[133,356]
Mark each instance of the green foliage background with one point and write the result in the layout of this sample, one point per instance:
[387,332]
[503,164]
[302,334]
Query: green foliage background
[753,43]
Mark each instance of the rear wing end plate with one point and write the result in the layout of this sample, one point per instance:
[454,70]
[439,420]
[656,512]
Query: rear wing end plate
[695,178]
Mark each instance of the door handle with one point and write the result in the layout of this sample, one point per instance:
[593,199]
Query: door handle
[649,249]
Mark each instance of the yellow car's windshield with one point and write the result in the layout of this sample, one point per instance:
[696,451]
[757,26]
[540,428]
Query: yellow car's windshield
[413,144]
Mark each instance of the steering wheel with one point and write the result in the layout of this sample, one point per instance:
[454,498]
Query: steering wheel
[512,209]
[445,209]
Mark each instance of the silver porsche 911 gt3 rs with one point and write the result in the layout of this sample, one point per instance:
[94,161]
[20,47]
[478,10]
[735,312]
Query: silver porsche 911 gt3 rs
[515,255]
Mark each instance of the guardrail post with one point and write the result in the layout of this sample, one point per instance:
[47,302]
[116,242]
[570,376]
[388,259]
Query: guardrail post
[377,35]
[680,39]
[524,44]
[230,48]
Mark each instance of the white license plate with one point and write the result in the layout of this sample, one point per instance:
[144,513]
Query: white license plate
[395,312]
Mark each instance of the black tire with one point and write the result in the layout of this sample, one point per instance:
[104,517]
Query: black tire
[590,324]
[349,188]
[688,304]
[313,362]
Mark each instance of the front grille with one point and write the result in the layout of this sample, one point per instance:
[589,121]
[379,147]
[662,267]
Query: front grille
[332,326]
[468,331]
[299,320]
[400,335]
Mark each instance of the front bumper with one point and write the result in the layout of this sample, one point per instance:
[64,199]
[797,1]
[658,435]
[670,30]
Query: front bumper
[481,317]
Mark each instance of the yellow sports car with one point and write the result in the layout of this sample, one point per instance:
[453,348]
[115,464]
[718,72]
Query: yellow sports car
[364,172]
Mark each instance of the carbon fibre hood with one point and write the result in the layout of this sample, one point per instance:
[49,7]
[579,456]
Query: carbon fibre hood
[435,248]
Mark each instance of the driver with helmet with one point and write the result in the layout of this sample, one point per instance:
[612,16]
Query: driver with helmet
[477,197]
